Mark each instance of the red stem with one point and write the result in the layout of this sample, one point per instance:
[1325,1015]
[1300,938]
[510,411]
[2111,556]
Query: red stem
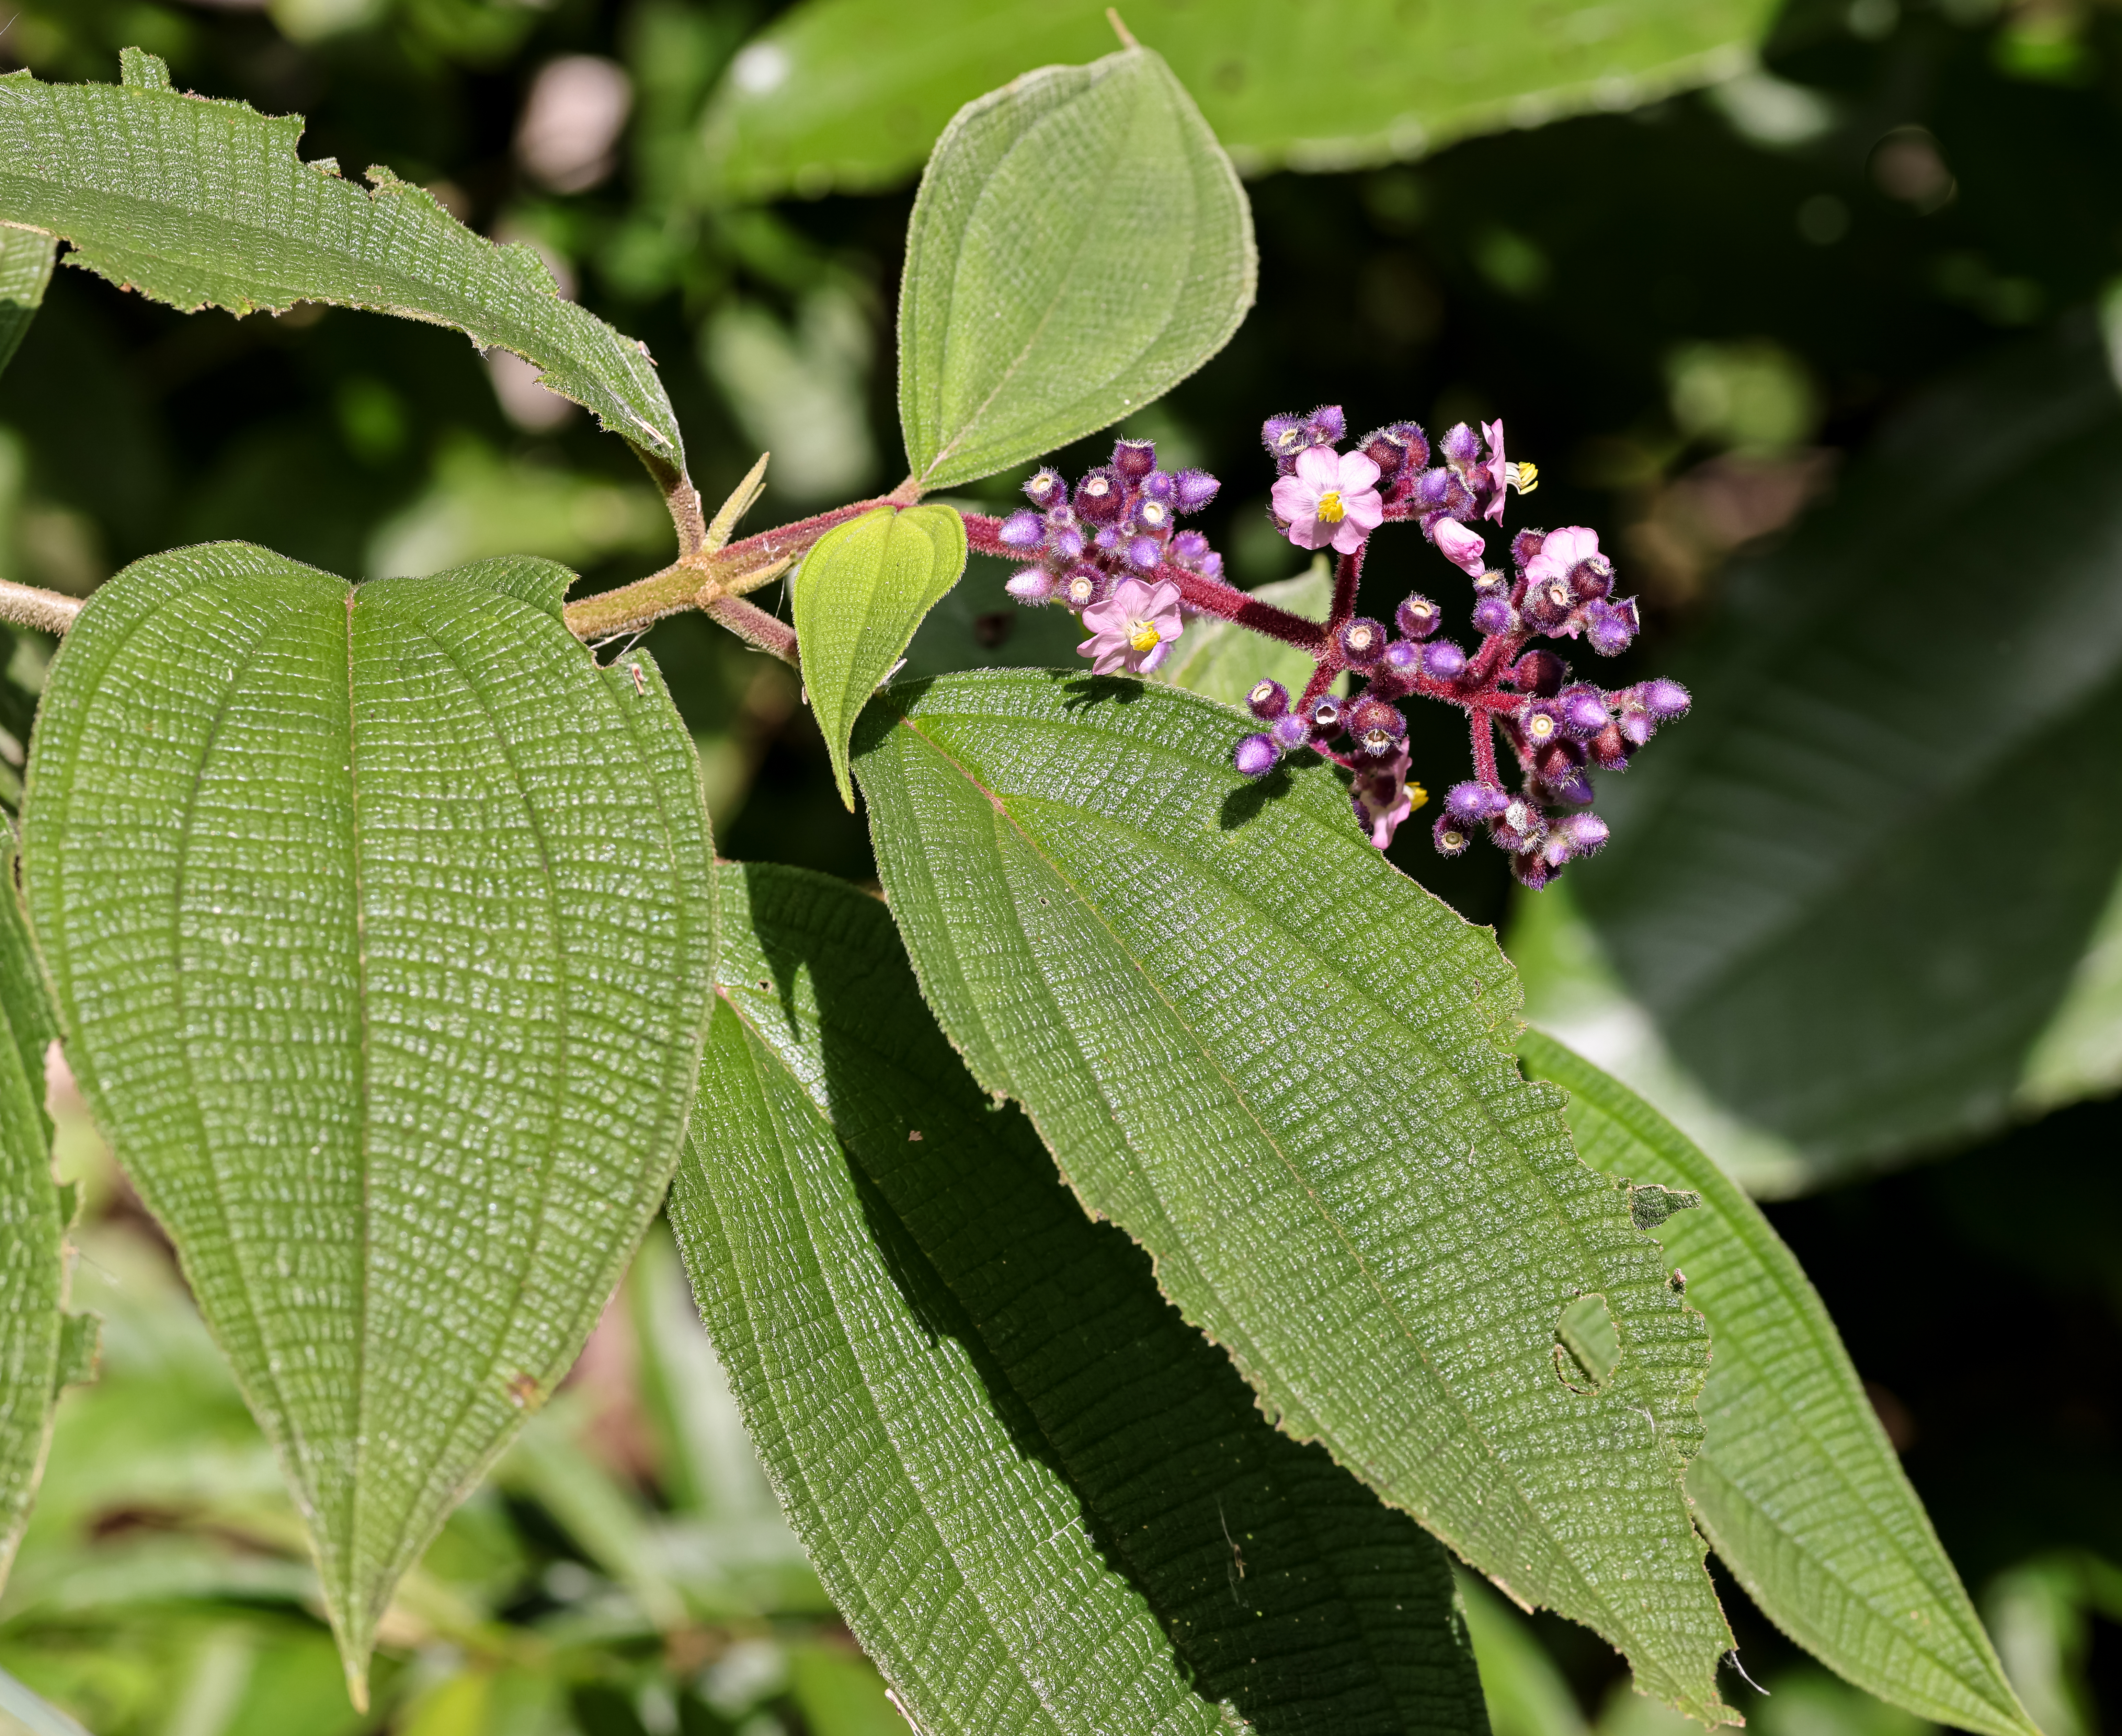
[1484,735]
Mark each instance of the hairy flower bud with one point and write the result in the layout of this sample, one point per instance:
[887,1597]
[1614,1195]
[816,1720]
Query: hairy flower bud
[1582,710]
[1475,803]
[1539,672]
[1031,585]
[1610,749]
[1191,490]
[1144,553]
[1493,614]
[1662,698]
[1418,618]
[1159,485]
[1134,459]
[1586,832]
[1443,660]
[1376,727]
[1023,530]
[1612,628]
[1386,451]
[1268,700]
[1327,425]
[1461,445]
[1401,664]
[1256,756]
[1449,836]
[1046,488]
[1362,642]
[1410,435]
[1086,586]
[1188,547]
[1524,545]
[1100,498]
[1065,543]
[1290,731]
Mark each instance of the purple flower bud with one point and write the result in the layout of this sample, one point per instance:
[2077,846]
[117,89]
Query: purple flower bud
[1418,618]
[1611,626]
[1520,827]
[1461,445]
[1326,716]
[1547,604]
[1046,488]
[1327,425]
[1284,436]
[1191,490]
[1443,660]
[1154,515]
[1256,756]
[1376,728]
[1268,700]
[1410,435]
[1023,530]
[1583,711]
[1662,698]
[1493,614]
[1209,565]
[1450,836]
[1532,873]
[1570,786]
[1403,659]
[1065,543]
[1635,727]
[1475,803]
[1159,485]
[1591,577]
[1108,540]
[1524,545]
[1144,553]
[1084,586]
[1362,642]
[1540,722]
[1134,459]
[1586,832]
[1386,451]
[1539,672]
[1290,731]
[1438,491]
[1033,585]
[1610,749]
[1100,498]
[1188,547]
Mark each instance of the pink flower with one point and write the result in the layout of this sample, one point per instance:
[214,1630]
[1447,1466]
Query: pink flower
[1499,470]
[1560,554]
[1331,499]
[1461,547]
[1383,797]
[1133,629]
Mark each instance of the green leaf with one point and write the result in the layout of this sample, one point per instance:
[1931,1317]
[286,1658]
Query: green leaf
[201,203]
[858,598]
[1796,1483]
[1286,1070]
[841,95]
[1080,245]
[25,268]
[33,1329]
[1221,661]
[1815,891]
[380,920]
[1290,1594]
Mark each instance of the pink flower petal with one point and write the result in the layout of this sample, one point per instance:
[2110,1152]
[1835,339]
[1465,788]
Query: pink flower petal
[1152,658]
[1319,467]
[1293,502]
[1460,547]
[1367,509]
[1356,473]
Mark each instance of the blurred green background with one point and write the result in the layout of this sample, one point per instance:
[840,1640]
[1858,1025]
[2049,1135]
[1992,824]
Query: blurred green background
[1695,313]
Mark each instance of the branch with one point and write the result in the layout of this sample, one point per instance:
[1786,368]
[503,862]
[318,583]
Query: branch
[756,627]
[47,611]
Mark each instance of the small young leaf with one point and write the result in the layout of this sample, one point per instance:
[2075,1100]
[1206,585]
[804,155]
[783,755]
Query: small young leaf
[1288,1591]
[380,922]
[839,95]
[200,202]
[1285,1069]
[1080,243]
[25,268]
[33,1327]
[1796,1482]
[858,598]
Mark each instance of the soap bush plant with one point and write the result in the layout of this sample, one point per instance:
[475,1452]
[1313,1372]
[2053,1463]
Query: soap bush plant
[1148,1244]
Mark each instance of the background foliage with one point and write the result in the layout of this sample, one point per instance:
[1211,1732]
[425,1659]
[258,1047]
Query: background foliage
[1698,314]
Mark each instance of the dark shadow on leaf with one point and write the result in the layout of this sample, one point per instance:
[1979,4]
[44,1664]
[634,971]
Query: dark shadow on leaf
[1088,690]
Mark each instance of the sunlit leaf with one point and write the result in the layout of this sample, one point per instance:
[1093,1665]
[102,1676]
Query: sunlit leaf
[959,1382]
[1286,1070]
[856,599]
[201,203]
[839,95]
[380,922]
[1859,890]
[1080,243]
[1796,1483]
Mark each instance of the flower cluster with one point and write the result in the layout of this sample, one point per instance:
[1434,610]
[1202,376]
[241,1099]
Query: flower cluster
[1110,550]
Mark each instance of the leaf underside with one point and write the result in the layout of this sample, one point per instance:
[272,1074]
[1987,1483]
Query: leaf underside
[923,1325]
[858,98]
[1809,889]
[1796,1483]
[1314,1125]
[1080,245]
[32,1276]
[198,203]
[856,602]
[25,268]
[380,922]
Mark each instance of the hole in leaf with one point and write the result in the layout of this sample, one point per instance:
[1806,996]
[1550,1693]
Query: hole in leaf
[1587,1345]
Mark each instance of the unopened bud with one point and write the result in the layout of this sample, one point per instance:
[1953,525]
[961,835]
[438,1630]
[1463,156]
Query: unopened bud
[1583,711]
[1023,530]
[1418,618]
[1461,446]
[1386,451]
[1191,490]
[1362,642]
[1663,699]
[1256,756]
[1493,614]
[1290,731]
[1085,586]
[1475,803]
[1144,553]
[1188,547]
[1100,498]
[1540,673]
[1612,628]
[1134,459]
[1032,585]
[1610,749]
[1586,832]
[1065,542]
[1159,485]
[1268,700]
[1327,425]
[1524,545]
[1443,660]
[1046,488]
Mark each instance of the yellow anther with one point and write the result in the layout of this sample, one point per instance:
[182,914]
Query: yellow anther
[1144,637]
[1331,511]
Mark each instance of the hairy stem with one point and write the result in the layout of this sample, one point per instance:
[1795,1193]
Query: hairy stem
[756,627]
[47,611]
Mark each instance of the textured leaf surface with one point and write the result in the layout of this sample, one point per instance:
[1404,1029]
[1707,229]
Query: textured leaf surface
[1288,1591]
[32,1274]
[1080,245]
[380,922]
[1221,661]
[840,95]
[1285,1069]
[856,599]
[1822,895]
[25,268]
[202,203]
[1795,1484]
